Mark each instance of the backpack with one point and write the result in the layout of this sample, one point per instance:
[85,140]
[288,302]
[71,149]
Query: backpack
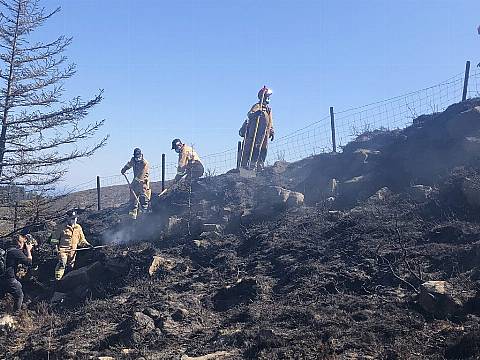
[3,261]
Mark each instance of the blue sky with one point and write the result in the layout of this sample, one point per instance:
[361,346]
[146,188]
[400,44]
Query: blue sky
[191,68]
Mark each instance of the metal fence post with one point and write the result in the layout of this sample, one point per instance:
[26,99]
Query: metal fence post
[163,172]
[332,125]
[465,81]
[98,193]
[15,219]
[239,154]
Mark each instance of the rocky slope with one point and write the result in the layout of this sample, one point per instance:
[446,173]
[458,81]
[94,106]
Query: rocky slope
[370,253]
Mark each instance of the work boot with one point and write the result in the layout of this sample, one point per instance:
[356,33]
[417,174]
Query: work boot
[133,213]
[59,271]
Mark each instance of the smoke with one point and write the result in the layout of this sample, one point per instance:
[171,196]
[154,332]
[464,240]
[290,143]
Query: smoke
[145,229]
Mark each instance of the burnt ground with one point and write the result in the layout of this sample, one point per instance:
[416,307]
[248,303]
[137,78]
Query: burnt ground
[337,278]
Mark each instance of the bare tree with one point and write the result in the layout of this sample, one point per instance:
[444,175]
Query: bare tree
[40,131]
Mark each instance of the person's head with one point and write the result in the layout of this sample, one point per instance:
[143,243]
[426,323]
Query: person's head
[264,94]
[72,217]
[137,154]
[177,145]
[22,238]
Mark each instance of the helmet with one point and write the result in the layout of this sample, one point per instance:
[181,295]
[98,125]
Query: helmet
[72,214]
[264,93]
[25,231]
[175,143]
[137,154]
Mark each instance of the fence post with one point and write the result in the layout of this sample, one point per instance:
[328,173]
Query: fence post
[98,193]
[332,125]
[465,81]
[239,154]
[15,219]
[163,172]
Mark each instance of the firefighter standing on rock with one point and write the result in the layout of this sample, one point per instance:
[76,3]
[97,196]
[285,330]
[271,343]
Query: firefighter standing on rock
[256,131]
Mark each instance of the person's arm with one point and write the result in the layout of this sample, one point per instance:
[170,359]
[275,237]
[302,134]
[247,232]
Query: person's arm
[21,257]
[243,130]
[271,131]
[83,241]
[127,166]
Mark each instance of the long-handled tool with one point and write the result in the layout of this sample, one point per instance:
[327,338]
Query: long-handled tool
[91,248]
[131,190]
[256,128]
[265,136]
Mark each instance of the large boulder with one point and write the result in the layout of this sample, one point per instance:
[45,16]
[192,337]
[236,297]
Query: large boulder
[273,199]
[437,299]
[136,328]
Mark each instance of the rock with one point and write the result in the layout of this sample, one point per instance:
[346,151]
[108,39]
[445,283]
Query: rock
[420,193]
[366,153]
[381,194]
[436,299]
[160,263]
[136,328]
[275,198]
[243,291]
[58,298]
[7,323]
[219,355]
[83,277]
[153,313]
[201,243]
[295,199]
[180,314]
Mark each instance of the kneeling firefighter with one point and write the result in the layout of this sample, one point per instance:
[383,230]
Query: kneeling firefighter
[68,237]
[140,191]
[189,162]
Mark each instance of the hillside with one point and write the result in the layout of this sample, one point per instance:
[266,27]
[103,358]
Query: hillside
[371,253]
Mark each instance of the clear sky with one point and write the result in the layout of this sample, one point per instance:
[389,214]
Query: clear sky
[192,68]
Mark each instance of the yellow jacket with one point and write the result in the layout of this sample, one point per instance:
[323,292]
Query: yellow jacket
[265,115]
[70,237]
[141,169]
[187,155]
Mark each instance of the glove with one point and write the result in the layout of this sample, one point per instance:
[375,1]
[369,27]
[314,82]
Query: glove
[272,135]
[478,65]
[122,171]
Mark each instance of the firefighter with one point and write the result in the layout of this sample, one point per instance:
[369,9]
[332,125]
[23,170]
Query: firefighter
[256,130]
[189,162]
[68,237]
[140,191]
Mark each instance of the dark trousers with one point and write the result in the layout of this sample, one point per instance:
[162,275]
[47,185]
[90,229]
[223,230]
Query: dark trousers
[195,170]
[14,287]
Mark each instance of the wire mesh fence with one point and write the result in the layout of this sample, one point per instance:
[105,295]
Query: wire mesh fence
[316,138]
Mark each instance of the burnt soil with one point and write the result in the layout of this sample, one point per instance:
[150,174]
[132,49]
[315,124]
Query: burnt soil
[333,279]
